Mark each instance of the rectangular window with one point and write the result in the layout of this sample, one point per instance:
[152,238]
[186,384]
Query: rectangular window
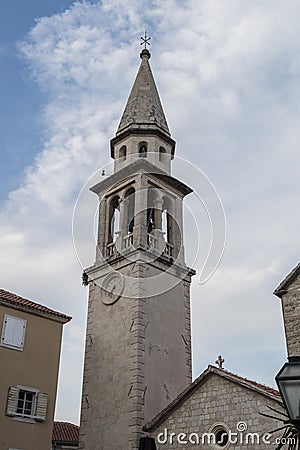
[27,404]
[13,332]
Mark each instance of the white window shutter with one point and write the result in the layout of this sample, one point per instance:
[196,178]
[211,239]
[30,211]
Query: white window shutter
[13,332]
[19,327]
[12,401]
[41,407]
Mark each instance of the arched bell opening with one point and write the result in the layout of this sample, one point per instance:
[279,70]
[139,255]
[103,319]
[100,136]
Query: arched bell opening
[114,219]
[170,228]
[129,213]
[164,224]
[150,211]
[167,220]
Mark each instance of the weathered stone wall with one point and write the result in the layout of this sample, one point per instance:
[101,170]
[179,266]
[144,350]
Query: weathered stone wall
[291,317]
[167,359]
[220,402]
[105,397]
[138,359]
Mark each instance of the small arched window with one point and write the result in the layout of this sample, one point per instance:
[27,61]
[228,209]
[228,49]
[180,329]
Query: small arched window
[162,154]
[122,153]
[143,150]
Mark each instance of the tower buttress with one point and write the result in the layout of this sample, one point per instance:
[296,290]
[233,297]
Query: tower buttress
[138,339]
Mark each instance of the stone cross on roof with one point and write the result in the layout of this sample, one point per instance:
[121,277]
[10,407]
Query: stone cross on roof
[220,362]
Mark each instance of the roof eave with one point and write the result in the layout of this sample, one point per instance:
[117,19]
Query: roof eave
[143,165]
[282,288]
[35,312]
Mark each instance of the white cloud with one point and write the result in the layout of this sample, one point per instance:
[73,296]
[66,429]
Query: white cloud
[228,76]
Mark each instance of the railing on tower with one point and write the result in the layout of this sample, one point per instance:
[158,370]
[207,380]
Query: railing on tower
[154,243]
[110,250]
[127,243]
[169,250]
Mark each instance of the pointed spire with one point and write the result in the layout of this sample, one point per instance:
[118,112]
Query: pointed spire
[143,109]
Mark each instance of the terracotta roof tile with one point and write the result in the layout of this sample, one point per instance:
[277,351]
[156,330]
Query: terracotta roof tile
[16,300]
[65,433]
[268,389]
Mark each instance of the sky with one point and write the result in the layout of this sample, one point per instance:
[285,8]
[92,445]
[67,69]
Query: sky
[228,76]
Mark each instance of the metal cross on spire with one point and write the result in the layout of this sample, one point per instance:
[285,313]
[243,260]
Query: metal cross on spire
[145,40]
[220,361]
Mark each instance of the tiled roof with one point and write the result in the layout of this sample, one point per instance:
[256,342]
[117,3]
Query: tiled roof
[65,433]
[24,303]
[268,389]
[184,395]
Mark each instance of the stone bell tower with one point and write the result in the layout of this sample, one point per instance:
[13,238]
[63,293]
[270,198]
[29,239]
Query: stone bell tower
[138,339]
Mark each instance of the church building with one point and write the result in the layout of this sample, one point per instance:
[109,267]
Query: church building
[137,387]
